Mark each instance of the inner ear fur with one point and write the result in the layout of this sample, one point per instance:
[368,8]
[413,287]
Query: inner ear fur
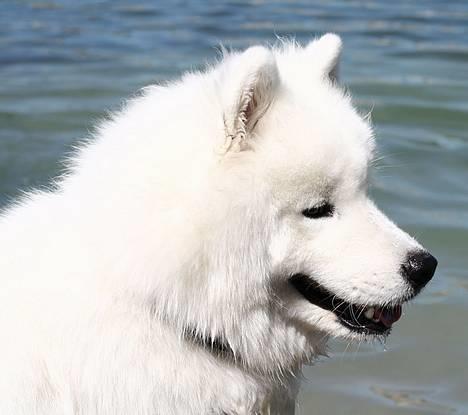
[254,79]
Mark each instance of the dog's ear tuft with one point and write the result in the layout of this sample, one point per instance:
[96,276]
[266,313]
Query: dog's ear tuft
[250,80]
[326,51]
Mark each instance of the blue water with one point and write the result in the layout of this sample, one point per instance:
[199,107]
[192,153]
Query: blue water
[64,63]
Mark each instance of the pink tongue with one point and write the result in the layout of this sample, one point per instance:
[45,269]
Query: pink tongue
[388,316]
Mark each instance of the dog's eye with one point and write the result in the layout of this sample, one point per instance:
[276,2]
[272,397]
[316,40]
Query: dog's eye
[320,211]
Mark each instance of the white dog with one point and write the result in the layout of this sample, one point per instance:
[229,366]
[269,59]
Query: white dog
[202,247]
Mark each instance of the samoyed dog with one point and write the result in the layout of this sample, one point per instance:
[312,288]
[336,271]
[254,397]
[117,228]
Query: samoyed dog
[202,247]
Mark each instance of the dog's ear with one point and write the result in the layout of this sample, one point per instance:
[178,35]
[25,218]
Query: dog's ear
[249,82]
[326,52]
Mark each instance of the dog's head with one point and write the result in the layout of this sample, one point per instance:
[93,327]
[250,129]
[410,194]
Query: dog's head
[284,238]
[335,261]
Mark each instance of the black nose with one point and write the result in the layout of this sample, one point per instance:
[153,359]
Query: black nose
[419,268]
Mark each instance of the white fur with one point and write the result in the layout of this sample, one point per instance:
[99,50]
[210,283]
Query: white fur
[184,211]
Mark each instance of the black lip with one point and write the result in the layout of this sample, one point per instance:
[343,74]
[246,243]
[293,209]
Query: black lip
[350,315]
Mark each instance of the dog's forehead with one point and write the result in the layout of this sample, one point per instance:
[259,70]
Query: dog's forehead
[316,142]
[318,173]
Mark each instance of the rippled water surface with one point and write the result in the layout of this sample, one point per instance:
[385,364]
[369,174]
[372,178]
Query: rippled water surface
[64,63]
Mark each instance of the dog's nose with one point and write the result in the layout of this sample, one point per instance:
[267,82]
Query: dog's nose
[419,268]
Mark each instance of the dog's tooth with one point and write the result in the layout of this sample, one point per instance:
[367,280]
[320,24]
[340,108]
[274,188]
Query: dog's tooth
[369,313]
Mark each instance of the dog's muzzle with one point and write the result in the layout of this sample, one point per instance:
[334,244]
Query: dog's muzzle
[374,319]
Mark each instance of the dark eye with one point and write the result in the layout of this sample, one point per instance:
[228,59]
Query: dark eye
[320,211]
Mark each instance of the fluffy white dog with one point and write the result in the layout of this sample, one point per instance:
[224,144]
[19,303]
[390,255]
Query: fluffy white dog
[202,247]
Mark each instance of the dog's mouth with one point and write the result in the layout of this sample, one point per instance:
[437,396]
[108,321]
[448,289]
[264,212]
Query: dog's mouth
[369,319]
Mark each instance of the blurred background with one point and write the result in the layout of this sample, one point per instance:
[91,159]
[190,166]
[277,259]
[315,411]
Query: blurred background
[63,64]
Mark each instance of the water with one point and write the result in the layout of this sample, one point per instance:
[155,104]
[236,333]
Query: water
[62,64]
